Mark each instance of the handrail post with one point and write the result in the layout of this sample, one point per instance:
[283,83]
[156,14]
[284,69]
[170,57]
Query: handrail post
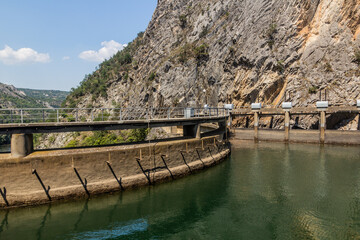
[120,115]
[168,113]
[57,115]
[21,116]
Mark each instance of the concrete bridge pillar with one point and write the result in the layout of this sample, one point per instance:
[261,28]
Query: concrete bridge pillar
[287,126]
[192,131]
[173,130]
[322,126]
[256,126]
[21,145]
[223,129]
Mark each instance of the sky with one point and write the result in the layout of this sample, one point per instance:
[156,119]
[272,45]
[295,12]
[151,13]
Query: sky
[52,44]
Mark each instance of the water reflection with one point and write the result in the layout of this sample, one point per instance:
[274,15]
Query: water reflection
[43,221]
[4,222]
[136,214]
[81,215]
[266,191]
[4,148]
[114,231]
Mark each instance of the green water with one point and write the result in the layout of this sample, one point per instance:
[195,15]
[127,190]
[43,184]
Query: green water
[4,148]
[265,191]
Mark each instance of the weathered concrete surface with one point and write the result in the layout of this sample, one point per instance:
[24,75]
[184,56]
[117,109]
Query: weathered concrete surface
[304,136]
[277,118]
[21,145]
[56,169]
[342,137]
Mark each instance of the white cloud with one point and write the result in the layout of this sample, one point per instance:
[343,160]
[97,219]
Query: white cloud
[11,56]
[65,58]
[108,50]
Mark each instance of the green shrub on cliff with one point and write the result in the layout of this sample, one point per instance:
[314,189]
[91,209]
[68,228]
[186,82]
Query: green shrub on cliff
[73,143]
[270,35]
[201,52]
[96,83]
[183,21]
[186,52]
[356,58]
[98,138]
[152,76]
[313,89]
[138,135]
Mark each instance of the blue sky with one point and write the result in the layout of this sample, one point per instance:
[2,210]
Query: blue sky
[48,44]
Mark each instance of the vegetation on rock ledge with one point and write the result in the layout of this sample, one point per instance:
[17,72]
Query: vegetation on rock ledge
[96,83]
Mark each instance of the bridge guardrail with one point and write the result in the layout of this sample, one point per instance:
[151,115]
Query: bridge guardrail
[42,115]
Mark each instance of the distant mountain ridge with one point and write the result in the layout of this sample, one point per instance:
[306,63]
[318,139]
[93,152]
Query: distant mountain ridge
[52,98]
[12,97]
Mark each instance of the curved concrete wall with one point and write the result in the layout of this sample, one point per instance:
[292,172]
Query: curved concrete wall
[56,169]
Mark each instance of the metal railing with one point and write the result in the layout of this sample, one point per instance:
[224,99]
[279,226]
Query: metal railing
[43,115]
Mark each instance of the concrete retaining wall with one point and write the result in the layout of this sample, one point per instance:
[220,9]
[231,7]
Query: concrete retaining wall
[56,169]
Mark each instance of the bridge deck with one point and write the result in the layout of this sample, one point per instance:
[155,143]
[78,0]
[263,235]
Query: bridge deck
[103,125]
[296,111]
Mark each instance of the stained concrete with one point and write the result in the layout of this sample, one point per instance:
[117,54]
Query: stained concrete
[301,136]
[21,144]
[56,168]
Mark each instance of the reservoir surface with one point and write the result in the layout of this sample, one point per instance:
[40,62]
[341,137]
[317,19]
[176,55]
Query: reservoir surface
[263,191]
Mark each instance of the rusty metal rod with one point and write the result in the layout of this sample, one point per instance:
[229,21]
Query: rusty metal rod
[3,194]
[46,190]
[196,149]
[112,171]
[183,157]
[84,184]
[163,159]
[142,169]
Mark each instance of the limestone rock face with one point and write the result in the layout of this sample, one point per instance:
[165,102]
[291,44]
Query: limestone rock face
[219,51]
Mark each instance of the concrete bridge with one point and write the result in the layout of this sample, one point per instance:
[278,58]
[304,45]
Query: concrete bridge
[21,124]
[322,109]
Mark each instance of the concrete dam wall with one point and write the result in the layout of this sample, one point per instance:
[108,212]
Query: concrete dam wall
[46,176]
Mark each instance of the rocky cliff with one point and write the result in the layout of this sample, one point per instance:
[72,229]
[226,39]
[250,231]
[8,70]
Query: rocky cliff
[12,97]
[217,51]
